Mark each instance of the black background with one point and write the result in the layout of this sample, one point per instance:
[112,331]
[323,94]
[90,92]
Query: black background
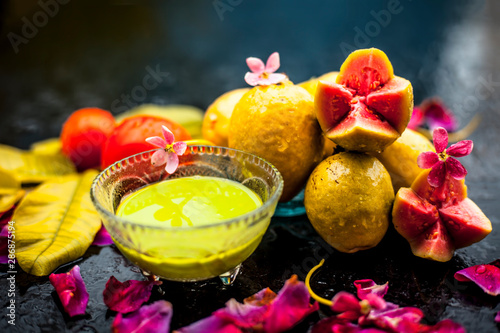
[95,53]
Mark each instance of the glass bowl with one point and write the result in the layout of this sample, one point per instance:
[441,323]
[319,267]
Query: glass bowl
[189,253]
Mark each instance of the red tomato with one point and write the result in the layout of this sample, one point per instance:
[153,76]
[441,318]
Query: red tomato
[83,135]
[129,137]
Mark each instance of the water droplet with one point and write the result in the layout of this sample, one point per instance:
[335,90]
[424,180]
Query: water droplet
[480,269]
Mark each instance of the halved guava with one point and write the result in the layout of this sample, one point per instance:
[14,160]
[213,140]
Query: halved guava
[438,220]
[367,107]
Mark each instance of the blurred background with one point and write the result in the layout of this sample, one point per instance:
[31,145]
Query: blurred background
[60,55]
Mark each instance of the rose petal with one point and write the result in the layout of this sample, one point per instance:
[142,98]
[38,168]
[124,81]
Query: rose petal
[427,159]
[127,296]
[437,115]
[437,175]
[497,317]
[157,142]
[168,135]
[367,286]
[172,163]
[344,301]
[159,157]
[4,250]
[273,79]
[273,63]
[290,306]
[256,65]
[102,238]
[461,148]
[252,79]
[242,315]
[445,326]
[71,291]
[440,139]
[393,317]
[455,168]
[151,318]
[263,297]
[210,324]
[487,277]
[417,118]
[375,301]
[180,147]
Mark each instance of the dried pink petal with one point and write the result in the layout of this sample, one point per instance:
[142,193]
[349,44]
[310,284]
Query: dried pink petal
[487,277]
[290,306]
[168,135]
[4,251]
[180,147]
[417,118]
[256,65]
[102,238]
[497,317]
[440,139]
[427,160]
[172,162]
[392,317]
[437,175]
[455,168]
[445,326]
[273,63]
[151,318]
[127,296]
[265,311]
[367,286]
[344,301]
[71,291]
[157,141]
[460,149]
[437,115]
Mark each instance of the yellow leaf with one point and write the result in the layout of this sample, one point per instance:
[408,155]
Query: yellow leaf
[55,223]
[28,167]
[50,146]
[8,183]
[9,200]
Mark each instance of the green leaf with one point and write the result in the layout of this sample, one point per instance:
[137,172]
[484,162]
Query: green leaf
[55,223]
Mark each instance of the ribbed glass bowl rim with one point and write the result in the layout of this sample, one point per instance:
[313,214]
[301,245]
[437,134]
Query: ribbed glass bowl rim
[251,217]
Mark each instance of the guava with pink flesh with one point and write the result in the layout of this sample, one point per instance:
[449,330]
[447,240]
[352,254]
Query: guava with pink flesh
[367,107]
[438,220]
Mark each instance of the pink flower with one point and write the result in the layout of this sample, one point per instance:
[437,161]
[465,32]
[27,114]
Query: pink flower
[487,277]
[150,318]
[71,291]
[434,113]
[167,154]
[127,296]
[441,161]
[264,75]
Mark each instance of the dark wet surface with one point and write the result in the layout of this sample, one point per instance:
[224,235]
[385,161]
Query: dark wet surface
[95,53]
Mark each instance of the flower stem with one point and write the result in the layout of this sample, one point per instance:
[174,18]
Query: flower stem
[308,285]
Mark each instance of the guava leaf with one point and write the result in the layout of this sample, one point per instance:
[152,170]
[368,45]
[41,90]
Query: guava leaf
[29,167]
[55,223]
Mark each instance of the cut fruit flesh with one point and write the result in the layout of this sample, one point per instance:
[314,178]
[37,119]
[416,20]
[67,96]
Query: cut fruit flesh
[435,243]
[465,222]
[366,81]
[436,221]
[365,70]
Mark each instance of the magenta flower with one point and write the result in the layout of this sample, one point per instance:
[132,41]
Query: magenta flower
[263,75]
[71,291]
[441,162]
[487,277]
[150,318]
[167,154]
[127,296]
[434,113]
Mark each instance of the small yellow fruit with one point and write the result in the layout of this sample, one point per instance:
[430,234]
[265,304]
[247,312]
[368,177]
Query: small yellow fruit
[277,123]
[348,200]
[215,127]
[400,158]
